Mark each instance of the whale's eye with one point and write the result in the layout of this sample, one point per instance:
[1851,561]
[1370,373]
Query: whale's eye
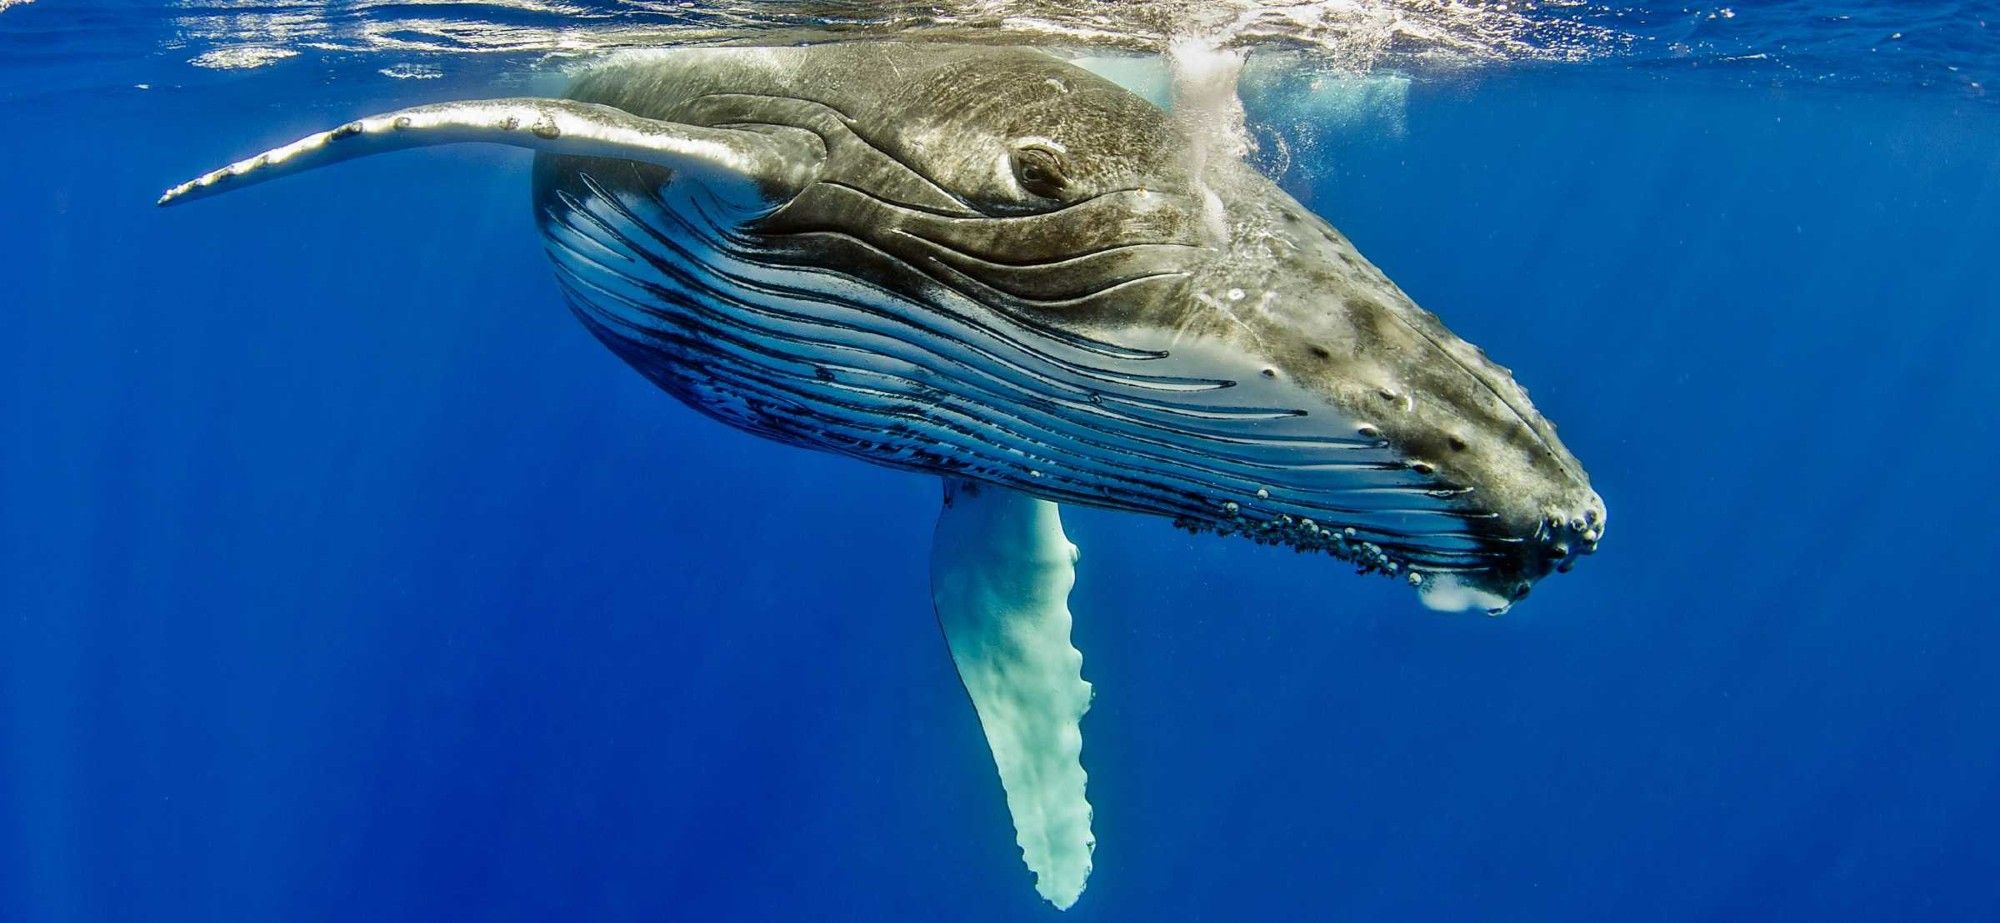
[1040,171]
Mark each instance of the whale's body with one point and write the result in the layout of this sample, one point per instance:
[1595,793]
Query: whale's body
[992,266]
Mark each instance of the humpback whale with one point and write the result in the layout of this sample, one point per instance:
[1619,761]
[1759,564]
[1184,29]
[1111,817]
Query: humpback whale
[994,267]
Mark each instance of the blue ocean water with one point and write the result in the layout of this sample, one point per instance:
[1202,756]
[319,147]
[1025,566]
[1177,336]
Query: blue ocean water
[344,576]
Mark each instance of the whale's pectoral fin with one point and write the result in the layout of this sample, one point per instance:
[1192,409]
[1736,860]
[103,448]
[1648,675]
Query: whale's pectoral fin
[1001,571]
[762,165]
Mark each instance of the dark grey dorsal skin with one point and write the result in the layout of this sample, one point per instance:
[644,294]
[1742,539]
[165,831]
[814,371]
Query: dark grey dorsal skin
[1004,268]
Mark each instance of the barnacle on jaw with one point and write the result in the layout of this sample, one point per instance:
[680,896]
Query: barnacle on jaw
[1304,535]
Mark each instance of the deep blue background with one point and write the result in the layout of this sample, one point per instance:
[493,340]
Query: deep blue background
[345,577]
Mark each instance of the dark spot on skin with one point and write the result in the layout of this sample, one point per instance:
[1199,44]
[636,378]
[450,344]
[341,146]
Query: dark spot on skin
[348,130]
[1270,373]
[546,132]
[1291,217]
[1423,468]
[1368,432]
[1457,444]
[1320,352]
[1385,394]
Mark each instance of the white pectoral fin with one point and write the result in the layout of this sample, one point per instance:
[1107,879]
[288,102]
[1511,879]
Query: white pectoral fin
[1001,571]
[771,163]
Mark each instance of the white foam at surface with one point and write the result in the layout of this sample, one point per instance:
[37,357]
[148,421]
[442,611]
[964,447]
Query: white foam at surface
[1354,35]
[241,57]
[412,72]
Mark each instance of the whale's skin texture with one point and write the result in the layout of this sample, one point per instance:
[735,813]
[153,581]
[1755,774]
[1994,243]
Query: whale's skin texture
[1009,270]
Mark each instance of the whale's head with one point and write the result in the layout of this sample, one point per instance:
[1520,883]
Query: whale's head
[1087,307]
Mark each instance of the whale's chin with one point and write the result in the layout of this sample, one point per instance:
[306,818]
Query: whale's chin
[1452,593]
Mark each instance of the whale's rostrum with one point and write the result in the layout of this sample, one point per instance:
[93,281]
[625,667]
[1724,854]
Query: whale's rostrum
[991,266]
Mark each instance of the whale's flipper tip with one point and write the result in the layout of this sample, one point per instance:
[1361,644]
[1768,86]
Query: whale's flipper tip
[1001,571]
[174,196]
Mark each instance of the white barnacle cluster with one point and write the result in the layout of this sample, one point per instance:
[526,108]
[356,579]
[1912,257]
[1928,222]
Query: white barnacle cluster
[1303,535]
[1572,535]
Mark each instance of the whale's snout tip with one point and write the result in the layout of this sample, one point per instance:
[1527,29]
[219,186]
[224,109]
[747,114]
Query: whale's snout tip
[1558,542]
[1567,536]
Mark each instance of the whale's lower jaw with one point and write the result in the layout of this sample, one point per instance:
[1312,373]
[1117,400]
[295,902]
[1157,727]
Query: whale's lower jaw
[942,384]
[1307,535]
